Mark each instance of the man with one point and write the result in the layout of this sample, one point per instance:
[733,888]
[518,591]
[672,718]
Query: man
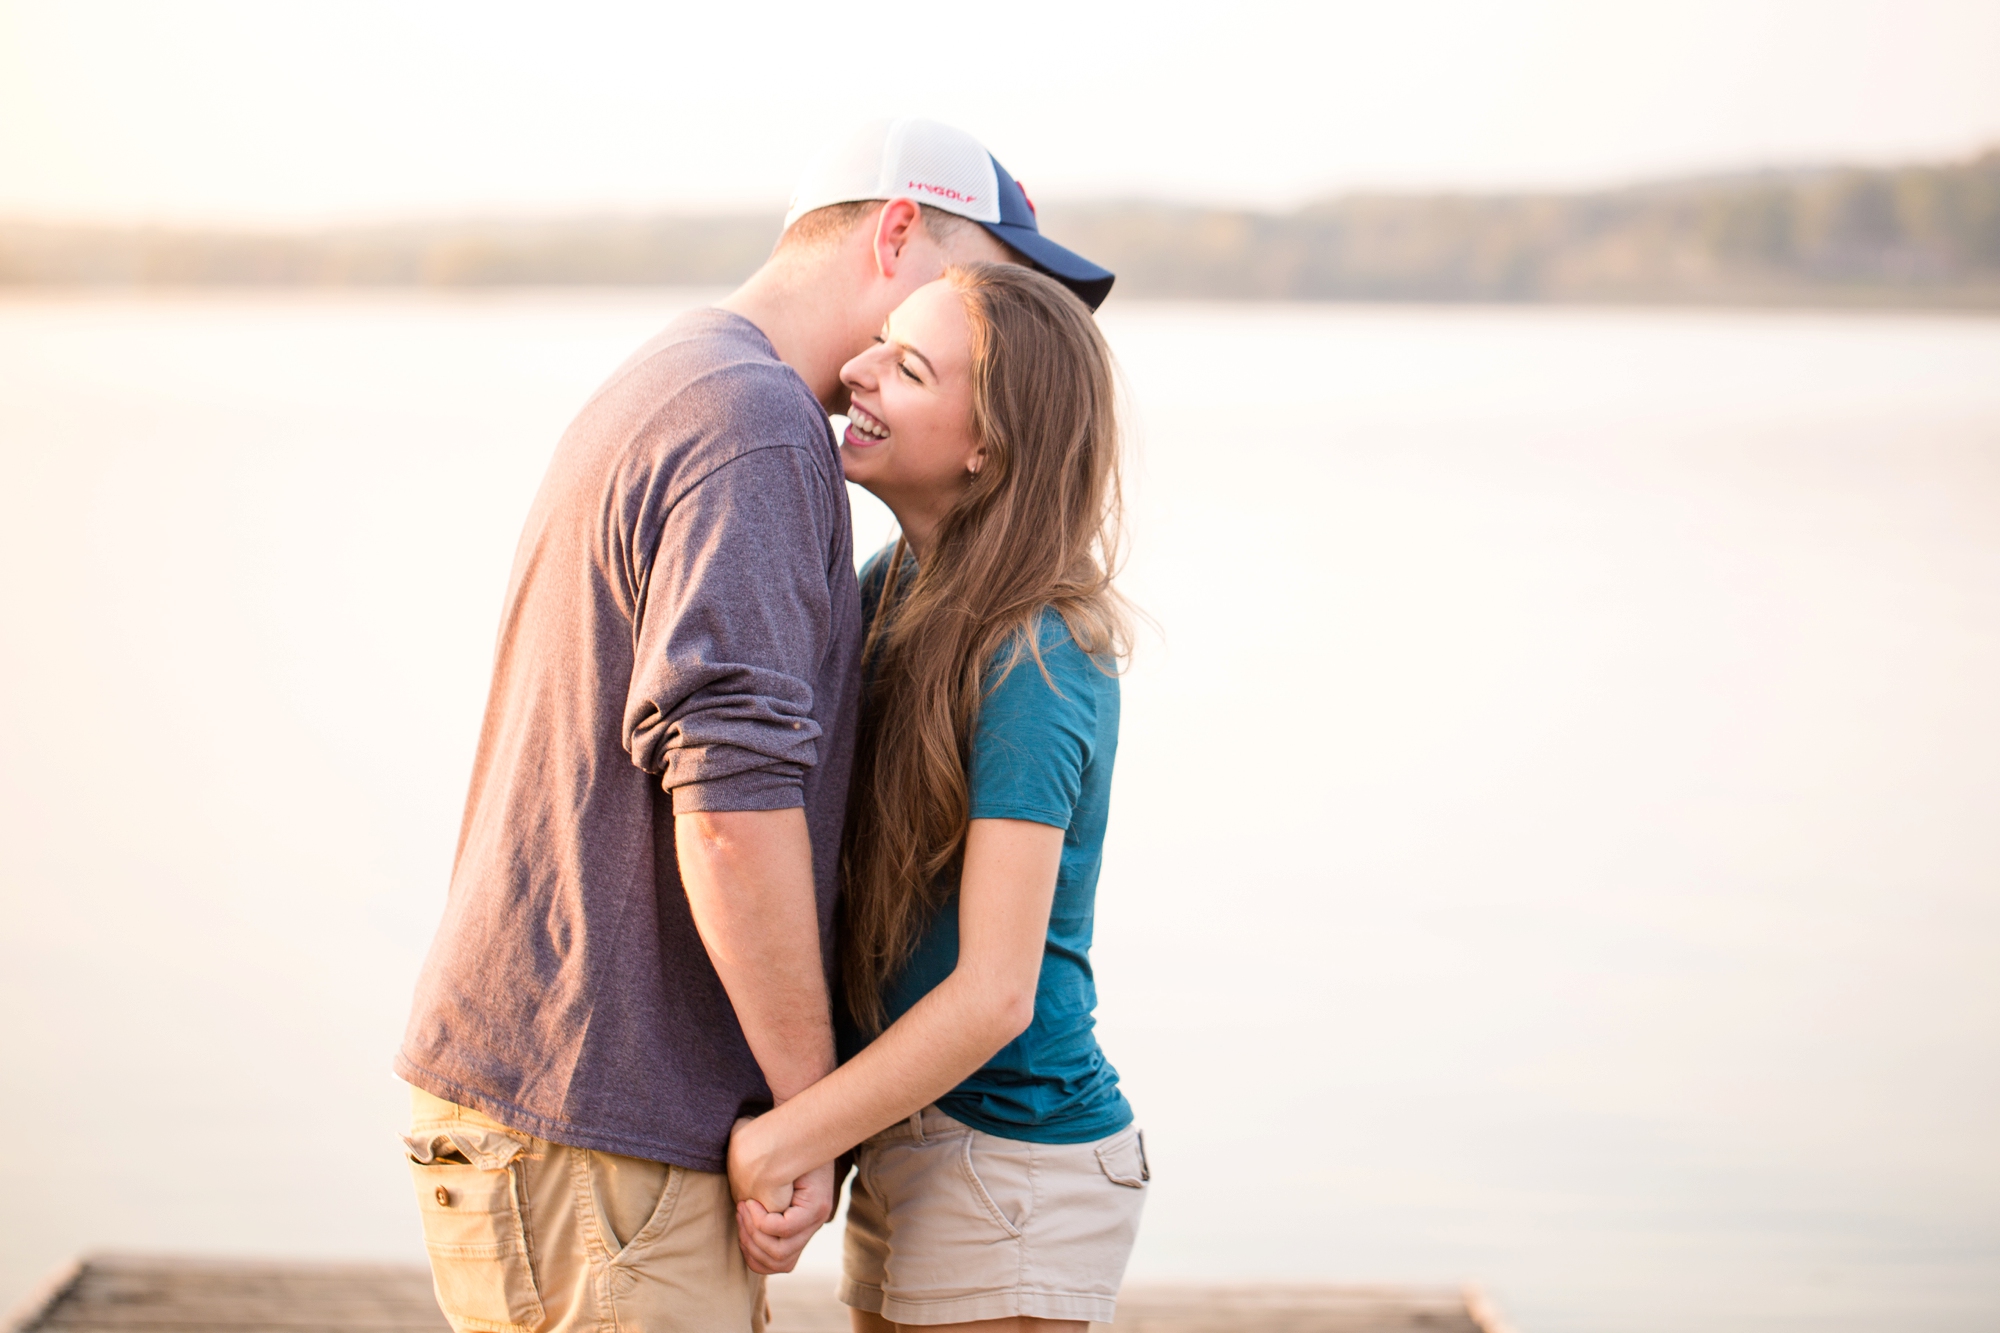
[634,950]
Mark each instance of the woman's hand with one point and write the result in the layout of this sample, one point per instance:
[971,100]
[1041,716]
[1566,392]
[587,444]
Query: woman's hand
[772,1242]
[750,1173]
[1006,887]
[775,1216]
[1005,891]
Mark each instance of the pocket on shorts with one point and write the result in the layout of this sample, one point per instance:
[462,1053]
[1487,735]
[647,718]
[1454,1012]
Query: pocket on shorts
[474,1229]
[1122,1158]
[981,1195]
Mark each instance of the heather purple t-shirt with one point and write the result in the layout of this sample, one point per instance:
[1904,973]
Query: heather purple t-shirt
[682,631]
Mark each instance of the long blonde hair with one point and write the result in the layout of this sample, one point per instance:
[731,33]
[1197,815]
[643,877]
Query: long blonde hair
[1037,527]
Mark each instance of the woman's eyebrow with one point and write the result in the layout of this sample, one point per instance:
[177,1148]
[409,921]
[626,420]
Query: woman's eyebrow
[889,336]
[921,357]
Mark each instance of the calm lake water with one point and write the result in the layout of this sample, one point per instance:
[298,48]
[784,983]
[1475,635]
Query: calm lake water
[1556,841]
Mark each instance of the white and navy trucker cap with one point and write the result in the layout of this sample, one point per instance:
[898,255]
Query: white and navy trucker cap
[934,164]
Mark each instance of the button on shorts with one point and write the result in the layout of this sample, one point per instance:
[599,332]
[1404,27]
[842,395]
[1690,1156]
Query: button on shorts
[946,1224]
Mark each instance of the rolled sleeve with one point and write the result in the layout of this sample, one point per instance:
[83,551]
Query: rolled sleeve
[733,626]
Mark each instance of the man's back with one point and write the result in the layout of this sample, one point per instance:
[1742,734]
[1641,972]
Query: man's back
[681,633]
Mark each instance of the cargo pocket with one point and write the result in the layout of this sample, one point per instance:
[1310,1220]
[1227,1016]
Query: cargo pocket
[470,1190]
[1123,1160]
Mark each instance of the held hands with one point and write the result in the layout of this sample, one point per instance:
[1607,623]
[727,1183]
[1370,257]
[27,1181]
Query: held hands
[774,1218]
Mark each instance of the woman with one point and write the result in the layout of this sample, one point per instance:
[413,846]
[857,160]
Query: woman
[1009,1180]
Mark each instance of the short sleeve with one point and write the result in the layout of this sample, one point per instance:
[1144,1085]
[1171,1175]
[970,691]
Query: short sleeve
[1035,734]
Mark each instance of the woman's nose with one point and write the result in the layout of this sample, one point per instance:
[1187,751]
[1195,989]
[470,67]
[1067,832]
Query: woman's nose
[858,373]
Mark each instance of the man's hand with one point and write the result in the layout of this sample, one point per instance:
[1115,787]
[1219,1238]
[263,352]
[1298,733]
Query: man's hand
[773,1241]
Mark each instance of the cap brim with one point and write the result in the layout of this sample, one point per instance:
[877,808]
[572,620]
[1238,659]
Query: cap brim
[1090,282]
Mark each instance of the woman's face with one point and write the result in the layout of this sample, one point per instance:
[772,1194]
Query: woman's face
[909,439]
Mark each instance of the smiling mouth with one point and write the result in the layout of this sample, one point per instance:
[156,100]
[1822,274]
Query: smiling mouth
[861,423]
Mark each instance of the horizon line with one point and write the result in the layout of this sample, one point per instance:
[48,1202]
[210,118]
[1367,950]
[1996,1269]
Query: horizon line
[571,214]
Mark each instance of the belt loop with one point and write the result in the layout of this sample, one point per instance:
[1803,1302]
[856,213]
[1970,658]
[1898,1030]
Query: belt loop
[917,1124]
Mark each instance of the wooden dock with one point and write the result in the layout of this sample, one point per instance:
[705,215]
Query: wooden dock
[156,1294]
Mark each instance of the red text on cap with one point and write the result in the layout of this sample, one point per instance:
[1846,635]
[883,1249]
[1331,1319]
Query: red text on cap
[944,191]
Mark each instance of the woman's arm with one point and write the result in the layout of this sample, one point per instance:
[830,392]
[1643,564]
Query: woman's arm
[1004,895]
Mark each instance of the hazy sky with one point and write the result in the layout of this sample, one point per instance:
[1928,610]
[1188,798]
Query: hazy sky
[206,109]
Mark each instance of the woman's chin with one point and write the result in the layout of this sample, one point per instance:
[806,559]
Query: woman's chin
[857,465]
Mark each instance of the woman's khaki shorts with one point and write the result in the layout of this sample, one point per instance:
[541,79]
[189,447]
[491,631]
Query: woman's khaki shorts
[946,1224]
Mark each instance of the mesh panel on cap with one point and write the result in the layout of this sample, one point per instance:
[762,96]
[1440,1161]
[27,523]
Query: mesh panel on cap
[847,169]
[943,167]
[903,159]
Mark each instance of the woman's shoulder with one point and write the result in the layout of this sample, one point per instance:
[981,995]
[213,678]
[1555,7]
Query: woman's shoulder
[876,566]
[1059,662]
[874,575]
[1051,703]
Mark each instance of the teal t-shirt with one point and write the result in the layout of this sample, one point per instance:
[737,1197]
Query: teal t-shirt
[1041,751]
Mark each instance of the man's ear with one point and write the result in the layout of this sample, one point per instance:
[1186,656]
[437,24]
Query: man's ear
[895,227]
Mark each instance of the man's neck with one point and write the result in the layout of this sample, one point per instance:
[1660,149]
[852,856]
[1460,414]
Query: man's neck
[806,320]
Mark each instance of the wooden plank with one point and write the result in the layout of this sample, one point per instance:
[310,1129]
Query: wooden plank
[132,1294]
[161,1294]
[1292,1309]
[43,1295]
[806,1304]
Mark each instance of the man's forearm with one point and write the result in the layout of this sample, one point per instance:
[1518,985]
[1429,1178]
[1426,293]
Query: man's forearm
[749,881]
[933,1048]
[1006,889]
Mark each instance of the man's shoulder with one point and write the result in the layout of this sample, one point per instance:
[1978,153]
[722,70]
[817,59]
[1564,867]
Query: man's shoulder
[705,393]
[711,377]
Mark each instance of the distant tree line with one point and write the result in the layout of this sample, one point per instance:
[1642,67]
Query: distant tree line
[1923,235]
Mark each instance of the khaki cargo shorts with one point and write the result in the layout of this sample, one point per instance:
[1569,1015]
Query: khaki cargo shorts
[946,1224]
[528,1236]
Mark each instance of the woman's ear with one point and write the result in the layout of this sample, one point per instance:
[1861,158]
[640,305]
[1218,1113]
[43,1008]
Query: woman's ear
[978,459]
